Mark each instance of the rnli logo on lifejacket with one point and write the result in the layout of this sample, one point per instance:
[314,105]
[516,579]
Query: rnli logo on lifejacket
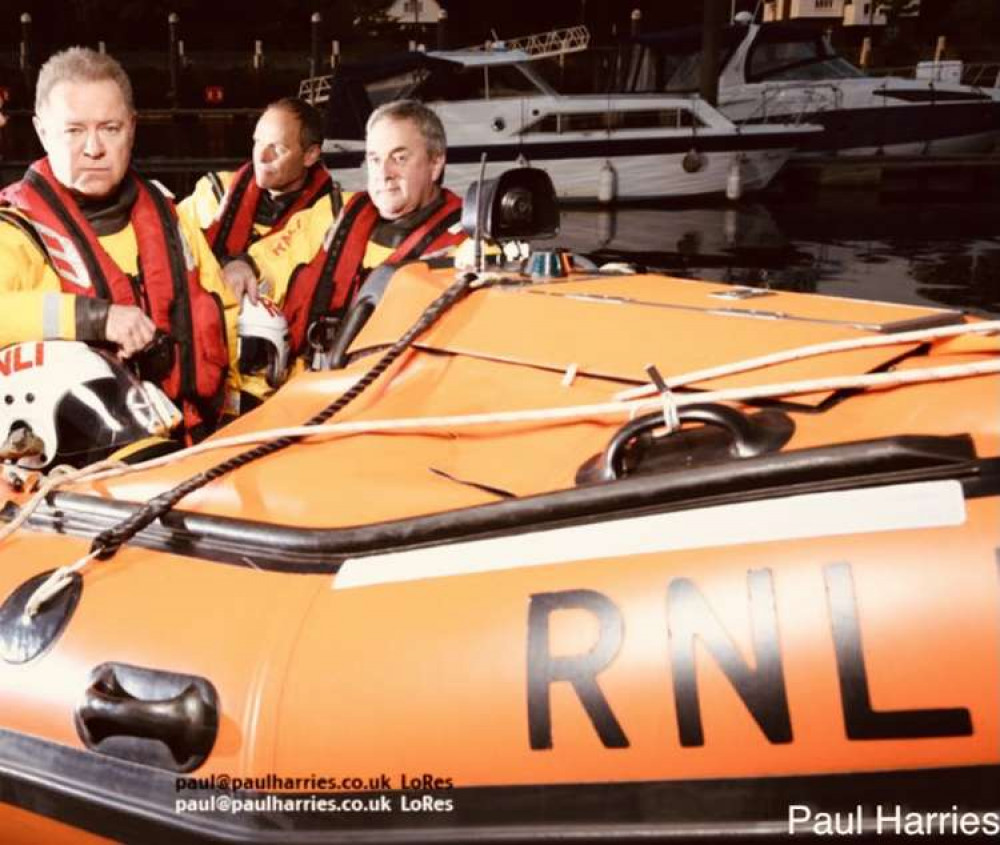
[760,684]
[23,356]
[65,257]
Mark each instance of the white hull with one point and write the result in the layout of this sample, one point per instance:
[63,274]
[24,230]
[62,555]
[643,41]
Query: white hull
[645,177]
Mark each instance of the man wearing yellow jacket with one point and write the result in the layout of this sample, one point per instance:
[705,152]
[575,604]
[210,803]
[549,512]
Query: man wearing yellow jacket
[284,177]
[92,251]
[316,265]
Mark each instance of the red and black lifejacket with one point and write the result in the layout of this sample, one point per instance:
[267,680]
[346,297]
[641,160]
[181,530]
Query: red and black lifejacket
[168,289]
[232,230]
[328,283]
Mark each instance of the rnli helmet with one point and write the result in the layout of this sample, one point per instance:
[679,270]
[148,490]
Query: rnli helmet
[63,402]
[264,341]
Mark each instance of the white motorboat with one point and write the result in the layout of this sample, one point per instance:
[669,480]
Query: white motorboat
[606,147]
[789,71]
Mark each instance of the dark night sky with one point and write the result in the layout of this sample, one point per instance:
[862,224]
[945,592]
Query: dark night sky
[284,24]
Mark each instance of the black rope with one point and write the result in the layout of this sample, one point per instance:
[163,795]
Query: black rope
[107,543]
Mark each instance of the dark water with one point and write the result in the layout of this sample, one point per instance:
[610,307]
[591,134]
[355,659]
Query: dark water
[942,252]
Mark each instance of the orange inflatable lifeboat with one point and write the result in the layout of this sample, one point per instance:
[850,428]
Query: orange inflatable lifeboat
[513,582]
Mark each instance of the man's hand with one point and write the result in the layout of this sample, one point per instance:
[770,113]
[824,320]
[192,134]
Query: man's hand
[241,280]
[130,328]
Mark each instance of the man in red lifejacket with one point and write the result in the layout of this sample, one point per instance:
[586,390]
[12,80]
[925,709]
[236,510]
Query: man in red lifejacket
[92,251]
[316,265]
[284,177]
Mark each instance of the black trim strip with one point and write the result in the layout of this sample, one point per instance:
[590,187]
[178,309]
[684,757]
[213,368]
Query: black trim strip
[218,190]
[132,803]
[889,125]
[321,550]
[931,95]
[541,151]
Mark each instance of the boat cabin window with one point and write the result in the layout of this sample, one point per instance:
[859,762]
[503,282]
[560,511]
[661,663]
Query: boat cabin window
[476,83]
[558,123]
[805,59]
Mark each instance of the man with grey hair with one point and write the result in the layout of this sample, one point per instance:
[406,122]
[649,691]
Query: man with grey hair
[316,265]
[92,251]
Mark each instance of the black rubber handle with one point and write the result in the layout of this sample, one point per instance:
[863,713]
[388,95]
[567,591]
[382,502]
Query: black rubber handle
[186,723]
[746,440]
[350,329]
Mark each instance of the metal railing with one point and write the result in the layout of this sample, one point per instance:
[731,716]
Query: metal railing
[543,45]
[315,89]
[807,99]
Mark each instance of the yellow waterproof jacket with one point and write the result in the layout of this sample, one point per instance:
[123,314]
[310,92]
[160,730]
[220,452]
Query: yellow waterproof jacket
[277,257]
[34,306]
[205,200]
[203,204]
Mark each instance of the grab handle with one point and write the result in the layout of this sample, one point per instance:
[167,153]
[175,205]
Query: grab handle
[186,722]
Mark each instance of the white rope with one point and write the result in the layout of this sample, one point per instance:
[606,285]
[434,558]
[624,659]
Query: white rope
[801,352]
[627,404]
[55,584]
[614,409]
[59,476]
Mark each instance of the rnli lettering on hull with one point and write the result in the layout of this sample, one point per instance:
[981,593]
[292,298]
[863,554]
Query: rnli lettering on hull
[705,650]
[760,686]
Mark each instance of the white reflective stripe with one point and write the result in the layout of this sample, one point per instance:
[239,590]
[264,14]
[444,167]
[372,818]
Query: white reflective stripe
[189,263]
[162,188]
[51,305]
[929,504]
[66,258]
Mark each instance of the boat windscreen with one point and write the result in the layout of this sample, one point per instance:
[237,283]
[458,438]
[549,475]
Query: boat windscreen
[671,61]
[475,82]
[808,58]
[356,89]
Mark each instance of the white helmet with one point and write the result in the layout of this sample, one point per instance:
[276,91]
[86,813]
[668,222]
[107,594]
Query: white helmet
[264,342]
[64,402]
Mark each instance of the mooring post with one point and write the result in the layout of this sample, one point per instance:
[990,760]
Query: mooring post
[173,20]
[334,54]
[866,51]
[939,48]
[315,22]
[24,56]
[711,28]
[442,30]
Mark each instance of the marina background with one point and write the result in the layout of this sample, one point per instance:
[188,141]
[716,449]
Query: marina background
[925,240]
